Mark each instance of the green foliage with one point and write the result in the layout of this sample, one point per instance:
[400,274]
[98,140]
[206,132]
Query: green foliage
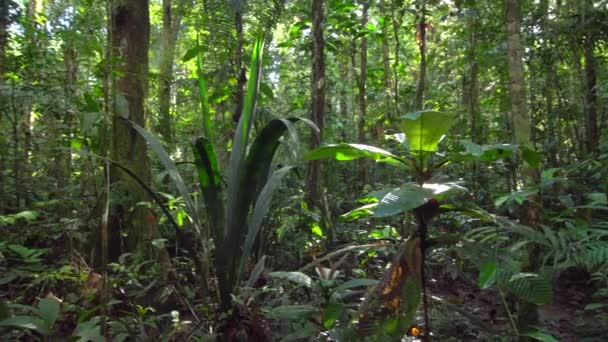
[42,320]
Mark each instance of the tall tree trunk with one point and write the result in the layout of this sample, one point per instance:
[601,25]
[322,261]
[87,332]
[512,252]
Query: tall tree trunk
[363,164]
[63,160]
[130,40]
[472,84]
[171,24]
[396,19]
[4,22]
[591,98]
[421,38]
[319,85]
[386,62]
[528,312]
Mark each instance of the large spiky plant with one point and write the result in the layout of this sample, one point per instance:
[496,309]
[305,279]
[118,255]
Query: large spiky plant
[235,211]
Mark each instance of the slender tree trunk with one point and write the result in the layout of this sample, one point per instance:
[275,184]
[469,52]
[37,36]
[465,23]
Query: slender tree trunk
[63,159]
[171,24]
[22,162]
[319,85]
[472,84]
[528,313]
[4,22]
[421,38]
[363,163]
[591,98]
[130,40]
[396,19]
[386,62]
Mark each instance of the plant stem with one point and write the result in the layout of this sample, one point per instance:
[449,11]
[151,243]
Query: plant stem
[511,319]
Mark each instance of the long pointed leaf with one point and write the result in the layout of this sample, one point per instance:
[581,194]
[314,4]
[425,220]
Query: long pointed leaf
[202,89]
[211,184]
[235,210]
[165,159]
[241,138]
[262,205]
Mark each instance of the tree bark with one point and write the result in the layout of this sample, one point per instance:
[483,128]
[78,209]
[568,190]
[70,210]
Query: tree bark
[528,313]
[591,98]
[319,85]
[130,40]
[171,25]
[4,22]
[421,38]
[363,164]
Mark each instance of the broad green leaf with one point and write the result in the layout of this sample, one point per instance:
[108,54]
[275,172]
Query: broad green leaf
[361,212]
[517,196]
[332,312]
[89,331]
[530,156]
[297,277]
[48,310]
[26,322]
[191,53]
[486,153]
[411,196]
[425,129]
[487,275]
[345,151]
[293,312]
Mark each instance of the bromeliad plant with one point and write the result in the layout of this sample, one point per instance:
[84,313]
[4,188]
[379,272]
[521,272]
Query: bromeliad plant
[234,212]
[402,286]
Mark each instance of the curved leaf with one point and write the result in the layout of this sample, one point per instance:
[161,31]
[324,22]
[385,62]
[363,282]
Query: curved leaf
[262,204]
[172,171]
[402,199]
[485,153]
[210,181]
[425,129]
[345,151]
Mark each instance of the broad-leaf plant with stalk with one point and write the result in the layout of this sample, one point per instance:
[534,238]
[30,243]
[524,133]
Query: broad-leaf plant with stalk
[402,285]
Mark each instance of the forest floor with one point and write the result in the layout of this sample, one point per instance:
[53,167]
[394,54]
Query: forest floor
[466,313]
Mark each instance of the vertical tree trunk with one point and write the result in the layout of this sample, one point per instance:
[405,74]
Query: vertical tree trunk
[130,40]
[4,21]
[363,164]
[472,84]
[396,18]
[386,62]
[421,38]
[319,85]
[528,313]
[171,24]
[591,98]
